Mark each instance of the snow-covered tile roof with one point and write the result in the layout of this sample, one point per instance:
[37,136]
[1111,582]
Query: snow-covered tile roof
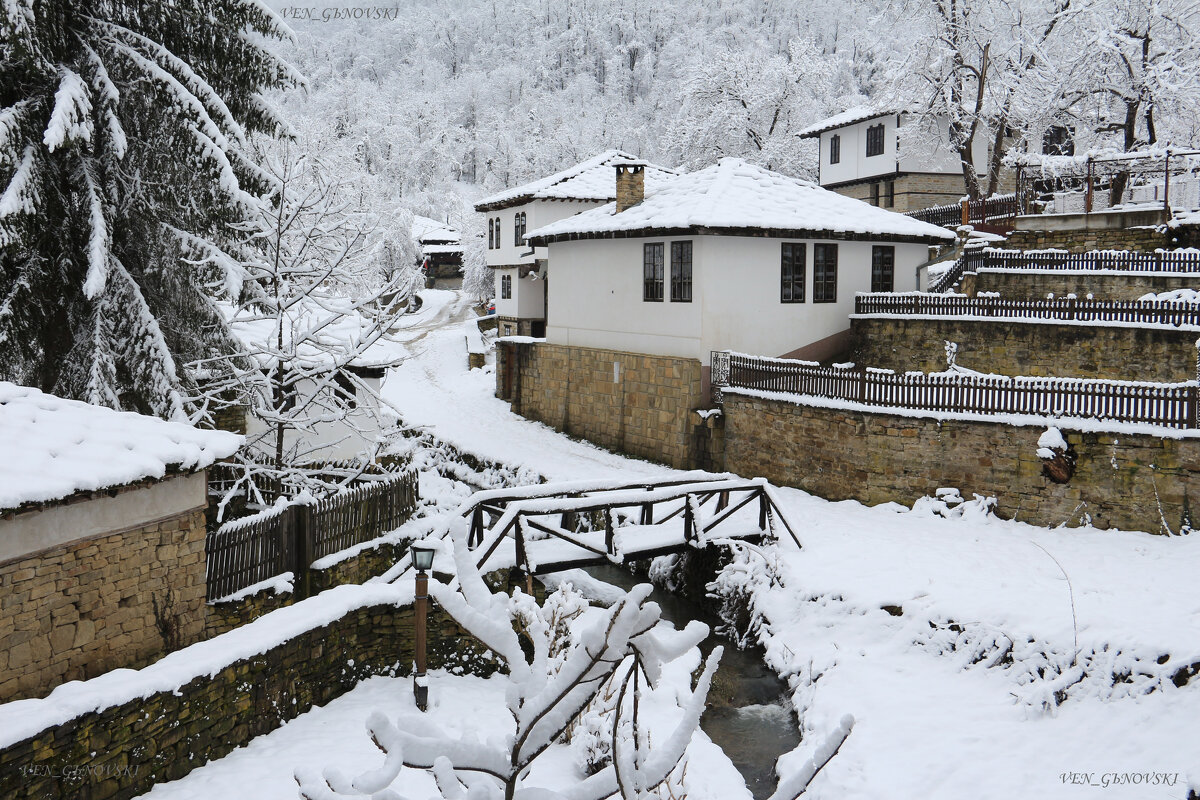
[593,179]
[51,448]
[427,229]
[847,117]
[435,249]
[734,194]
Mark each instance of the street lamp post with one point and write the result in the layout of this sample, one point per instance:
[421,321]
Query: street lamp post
[422,560]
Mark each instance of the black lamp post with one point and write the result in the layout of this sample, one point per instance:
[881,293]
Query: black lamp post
[422,560]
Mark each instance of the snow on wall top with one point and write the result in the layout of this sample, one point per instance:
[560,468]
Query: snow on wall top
[593,179]
[736,194]
[51,448]
[847,117]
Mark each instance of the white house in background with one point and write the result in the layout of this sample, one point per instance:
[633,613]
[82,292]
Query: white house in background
[893,160]
[731,257]
[520,270]
[334,412]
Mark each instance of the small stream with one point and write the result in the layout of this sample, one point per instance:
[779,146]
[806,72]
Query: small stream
[749,715]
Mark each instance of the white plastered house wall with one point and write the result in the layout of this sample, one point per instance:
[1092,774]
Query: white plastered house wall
[357,435]
[596,297]
[913,146]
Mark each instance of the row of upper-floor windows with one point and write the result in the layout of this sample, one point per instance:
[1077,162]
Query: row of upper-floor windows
[874,144]
[520,228]
[793,271]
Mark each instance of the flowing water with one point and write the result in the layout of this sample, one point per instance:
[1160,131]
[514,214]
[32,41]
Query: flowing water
[749,715]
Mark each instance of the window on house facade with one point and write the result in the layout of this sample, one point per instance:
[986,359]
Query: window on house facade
[825,273]
[652,272]
[347,392]
[491,234]
[883,268]
[875,193]
[791,273]
[519,229]
[875,140]
[506,287]
[889,194]
[835,149]
[681,272]
[497,233]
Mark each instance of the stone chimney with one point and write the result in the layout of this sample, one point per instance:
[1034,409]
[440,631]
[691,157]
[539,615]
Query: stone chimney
[631,185]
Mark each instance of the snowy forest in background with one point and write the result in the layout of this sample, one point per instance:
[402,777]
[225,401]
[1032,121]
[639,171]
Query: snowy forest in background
[460,97]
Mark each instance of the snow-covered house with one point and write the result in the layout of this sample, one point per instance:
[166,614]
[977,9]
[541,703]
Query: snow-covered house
[441,247]
[335,366]
[102,531]
[731,257]
[521,270]
[892,159]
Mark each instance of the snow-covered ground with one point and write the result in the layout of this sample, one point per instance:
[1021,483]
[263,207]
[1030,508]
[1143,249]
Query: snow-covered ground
[1010,661]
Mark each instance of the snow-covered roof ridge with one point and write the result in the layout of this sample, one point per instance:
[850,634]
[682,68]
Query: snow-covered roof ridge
[592,179]
[427,229]
[51,448]
[847,117]
[736,195]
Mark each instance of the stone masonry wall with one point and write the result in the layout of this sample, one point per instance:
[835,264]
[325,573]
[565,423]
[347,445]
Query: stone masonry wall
[630,402]
[1133,482]
[1145,239]
[117,600]
[1102,286]
[1013,348]
[120,752]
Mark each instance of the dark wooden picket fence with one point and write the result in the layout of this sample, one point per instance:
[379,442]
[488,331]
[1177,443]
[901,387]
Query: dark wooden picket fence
[1170,405]
[1067,309]
[1170,261]
[1000,208]
[246,551]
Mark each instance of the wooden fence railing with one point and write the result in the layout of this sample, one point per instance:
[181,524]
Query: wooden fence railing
[289,538]
[1174,261]
[970,212]
[1067,309]
[1171,405]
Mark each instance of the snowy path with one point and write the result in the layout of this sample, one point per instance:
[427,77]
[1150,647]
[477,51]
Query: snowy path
[434,389]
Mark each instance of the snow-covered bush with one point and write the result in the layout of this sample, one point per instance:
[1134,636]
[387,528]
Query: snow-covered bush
[545,693]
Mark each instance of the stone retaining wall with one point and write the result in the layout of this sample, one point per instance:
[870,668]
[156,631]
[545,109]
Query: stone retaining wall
[1144,239]
[121,751]
[114,600]
[1101,285]
[630,402]
[1128,481]
[1034,348]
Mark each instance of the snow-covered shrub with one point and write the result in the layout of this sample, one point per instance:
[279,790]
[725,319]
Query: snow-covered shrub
[625,644]
[948,503]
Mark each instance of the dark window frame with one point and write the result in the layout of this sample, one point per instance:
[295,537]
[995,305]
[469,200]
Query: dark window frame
[889,194]
[506,287]
[883,268]
[825,258]
[835,149]
[652,272]
[875,140]
[681,272]
[346,390]
[498,239]
[875,193]
[792,276]
[491,233]
[519,229]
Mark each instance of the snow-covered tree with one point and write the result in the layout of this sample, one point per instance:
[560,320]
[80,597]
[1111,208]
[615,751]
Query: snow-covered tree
[548,686]
[307,308]
[124,138]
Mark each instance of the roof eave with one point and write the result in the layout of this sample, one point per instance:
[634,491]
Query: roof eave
[764,233]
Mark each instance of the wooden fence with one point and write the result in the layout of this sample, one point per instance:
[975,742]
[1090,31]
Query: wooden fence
[289,538]
[1000,208]
[1170,261]
[1067,309]
[1170,405]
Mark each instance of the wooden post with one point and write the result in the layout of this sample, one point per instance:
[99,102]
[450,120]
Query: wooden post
[1090,189]
[762,510]
[966,211]
[476,536]
[609,535]
[689,519]
[1167,184]
[420,681]
[722,501]
[302,547]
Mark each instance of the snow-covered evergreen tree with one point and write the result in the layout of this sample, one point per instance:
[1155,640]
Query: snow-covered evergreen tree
[124,143]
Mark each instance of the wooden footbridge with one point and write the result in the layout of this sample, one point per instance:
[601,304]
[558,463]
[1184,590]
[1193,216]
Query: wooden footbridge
[553,527]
